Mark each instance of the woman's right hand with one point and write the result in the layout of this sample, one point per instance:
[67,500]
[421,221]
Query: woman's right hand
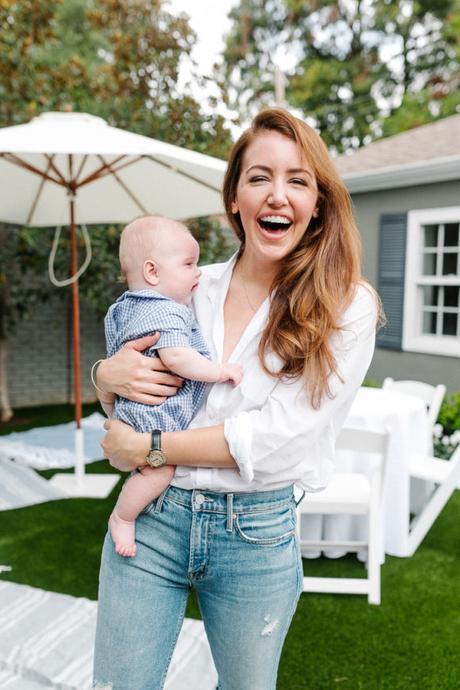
[135,376]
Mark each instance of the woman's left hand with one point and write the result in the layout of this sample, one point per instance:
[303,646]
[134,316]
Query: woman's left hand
[125,448]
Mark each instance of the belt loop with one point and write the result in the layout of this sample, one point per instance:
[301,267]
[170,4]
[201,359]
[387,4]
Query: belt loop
[160,499]
[229,527]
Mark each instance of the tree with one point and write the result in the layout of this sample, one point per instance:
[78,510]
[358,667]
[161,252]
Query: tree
[425,75]
[118,59]
[351,63]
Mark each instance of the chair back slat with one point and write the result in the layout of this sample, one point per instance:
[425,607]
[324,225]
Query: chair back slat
[432,396]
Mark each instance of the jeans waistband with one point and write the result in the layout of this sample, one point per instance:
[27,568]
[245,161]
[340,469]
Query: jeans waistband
[215,502]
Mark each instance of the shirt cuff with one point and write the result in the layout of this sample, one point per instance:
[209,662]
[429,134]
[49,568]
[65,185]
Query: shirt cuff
[238,434]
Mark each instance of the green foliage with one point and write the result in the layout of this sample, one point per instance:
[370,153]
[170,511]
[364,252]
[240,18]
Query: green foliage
[23,274]
[449,414]
[351,64]
[216,243]
[446,436]
[118,59]
[369,382]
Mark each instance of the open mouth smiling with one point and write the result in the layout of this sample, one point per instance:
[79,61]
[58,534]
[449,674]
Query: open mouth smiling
[275,224]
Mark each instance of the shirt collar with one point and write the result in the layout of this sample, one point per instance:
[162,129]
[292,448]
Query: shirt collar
[141,294]
[219,279]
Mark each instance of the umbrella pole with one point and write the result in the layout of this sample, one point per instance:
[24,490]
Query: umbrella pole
[79,454]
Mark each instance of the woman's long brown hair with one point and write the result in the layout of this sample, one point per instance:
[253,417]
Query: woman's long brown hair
[317,279]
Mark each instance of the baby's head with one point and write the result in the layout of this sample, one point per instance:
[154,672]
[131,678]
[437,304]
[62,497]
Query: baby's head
[160,254]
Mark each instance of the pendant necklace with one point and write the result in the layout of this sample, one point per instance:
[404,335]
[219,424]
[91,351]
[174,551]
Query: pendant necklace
[243,282]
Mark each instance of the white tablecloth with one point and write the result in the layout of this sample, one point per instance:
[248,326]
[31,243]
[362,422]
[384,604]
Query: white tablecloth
[406,418]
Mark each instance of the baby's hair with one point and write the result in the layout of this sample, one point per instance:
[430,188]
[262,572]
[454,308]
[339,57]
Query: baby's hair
[137,241]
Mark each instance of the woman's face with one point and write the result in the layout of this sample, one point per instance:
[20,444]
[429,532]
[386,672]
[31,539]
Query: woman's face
[276,196]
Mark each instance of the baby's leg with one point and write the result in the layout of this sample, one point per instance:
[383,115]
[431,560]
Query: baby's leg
[140,489]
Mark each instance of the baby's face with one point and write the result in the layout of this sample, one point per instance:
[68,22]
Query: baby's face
[177,267]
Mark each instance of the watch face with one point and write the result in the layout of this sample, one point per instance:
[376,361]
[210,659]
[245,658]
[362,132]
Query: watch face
[156,458]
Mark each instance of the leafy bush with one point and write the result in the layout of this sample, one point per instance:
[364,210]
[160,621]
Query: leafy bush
[446,435]
[449,414]
[371,383]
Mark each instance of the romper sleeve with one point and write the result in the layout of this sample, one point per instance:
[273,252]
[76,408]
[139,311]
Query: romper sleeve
[287,437]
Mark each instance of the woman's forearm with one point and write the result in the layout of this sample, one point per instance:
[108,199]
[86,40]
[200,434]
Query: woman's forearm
[205,447]
[127,449]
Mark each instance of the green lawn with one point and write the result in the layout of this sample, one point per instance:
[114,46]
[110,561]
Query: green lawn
[411,641]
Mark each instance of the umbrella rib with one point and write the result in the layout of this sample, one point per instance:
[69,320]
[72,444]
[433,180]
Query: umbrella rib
[184,174]
[124,186]
[124,165]
[54,168]
[37,197]
[82,165]
[100,171]
[12,158]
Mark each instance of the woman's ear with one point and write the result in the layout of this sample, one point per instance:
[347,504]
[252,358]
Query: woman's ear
[234,206]
[150,272]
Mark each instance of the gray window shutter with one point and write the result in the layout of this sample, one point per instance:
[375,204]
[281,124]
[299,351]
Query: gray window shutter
[392,258]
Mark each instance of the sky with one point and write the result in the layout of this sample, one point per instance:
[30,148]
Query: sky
[209,20]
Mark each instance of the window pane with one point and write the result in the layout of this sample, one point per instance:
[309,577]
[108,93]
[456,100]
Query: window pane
[451,294]
[430,295]
[429,322]
[449,264]
[451,235]
[431,235]
[429,264]
[449,324]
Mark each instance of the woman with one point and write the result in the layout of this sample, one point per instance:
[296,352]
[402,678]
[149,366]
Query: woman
[291,308]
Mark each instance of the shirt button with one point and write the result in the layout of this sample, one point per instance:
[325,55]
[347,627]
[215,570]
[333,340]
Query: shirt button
[199,499]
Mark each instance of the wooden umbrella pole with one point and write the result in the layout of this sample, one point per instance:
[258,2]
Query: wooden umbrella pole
[75,314]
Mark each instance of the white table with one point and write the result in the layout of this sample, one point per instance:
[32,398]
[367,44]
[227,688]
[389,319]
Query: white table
[406,418]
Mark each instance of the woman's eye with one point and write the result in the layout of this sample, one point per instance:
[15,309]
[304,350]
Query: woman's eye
[299,180]
[257,178]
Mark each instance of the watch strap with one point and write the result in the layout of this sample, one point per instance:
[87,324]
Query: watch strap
[156,440]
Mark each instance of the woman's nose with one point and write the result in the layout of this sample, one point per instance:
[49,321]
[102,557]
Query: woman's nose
[277,196]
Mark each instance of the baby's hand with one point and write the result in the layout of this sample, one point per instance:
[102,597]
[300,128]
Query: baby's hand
[231,372]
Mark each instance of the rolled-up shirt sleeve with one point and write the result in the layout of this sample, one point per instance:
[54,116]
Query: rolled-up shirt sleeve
[287,437]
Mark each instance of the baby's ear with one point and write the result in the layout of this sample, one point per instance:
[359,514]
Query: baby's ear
[150,272]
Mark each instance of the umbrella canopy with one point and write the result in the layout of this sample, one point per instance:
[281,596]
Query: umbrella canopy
[73,168]
[118,175]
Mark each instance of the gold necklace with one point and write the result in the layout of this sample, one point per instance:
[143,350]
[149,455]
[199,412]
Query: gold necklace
[243,282]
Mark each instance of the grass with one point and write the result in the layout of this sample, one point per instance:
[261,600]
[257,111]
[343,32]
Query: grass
[410,642]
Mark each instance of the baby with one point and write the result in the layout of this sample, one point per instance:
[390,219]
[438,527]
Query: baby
[158,258]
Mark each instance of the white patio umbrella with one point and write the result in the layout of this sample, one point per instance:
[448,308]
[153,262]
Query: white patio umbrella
[73,168]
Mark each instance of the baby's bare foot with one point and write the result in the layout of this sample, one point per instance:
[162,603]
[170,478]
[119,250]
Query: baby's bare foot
[123,534]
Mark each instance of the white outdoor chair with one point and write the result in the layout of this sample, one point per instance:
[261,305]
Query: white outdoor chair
[352,493]
[432,396]
[445,475]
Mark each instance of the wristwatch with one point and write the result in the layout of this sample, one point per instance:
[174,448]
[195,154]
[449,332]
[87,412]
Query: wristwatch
[156,457]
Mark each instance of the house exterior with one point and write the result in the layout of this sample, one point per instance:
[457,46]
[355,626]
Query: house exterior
[406,196]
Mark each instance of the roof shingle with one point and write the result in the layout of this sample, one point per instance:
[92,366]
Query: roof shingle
[440,139]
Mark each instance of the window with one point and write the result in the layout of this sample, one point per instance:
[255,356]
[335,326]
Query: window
[432,282]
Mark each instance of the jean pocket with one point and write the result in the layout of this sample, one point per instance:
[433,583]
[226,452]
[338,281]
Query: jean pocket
[149,508]
[267,528]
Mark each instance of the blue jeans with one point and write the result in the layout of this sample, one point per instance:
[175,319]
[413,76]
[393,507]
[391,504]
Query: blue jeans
[238,551]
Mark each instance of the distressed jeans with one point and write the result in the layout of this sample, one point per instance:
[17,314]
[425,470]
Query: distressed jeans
[238,551]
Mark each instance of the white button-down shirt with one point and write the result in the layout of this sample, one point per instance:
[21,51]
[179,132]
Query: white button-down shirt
[273,432]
